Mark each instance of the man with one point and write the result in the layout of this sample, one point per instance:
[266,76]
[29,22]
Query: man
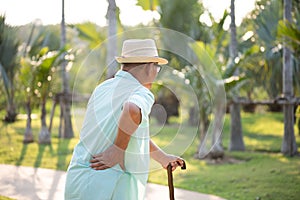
[111,160]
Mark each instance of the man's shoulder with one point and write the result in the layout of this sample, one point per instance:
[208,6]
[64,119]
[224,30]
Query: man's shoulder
[107,82]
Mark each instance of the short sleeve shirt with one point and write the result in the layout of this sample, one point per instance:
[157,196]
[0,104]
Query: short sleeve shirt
[103,112]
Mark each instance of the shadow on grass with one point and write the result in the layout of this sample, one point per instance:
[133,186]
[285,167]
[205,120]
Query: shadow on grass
[62,153]
[273,143]
[39,157]
[252,118]
[263,137]
[4,128]
[22,155]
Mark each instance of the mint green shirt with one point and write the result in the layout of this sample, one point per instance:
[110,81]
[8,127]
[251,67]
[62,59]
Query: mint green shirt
[98,133]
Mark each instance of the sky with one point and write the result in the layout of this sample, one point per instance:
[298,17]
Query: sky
[20,12]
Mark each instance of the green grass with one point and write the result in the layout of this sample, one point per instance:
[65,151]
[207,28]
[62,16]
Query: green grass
[13,151]
[5,198]
[264,172]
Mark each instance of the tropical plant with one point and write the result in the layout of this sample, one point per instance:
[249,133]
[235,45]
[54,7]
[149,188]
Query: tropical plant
[45,64]
[27,86]
[288,32]
[289,146]
[112,15]
[8,66]
[268,61]
[267,66]
[26,77]
[236,134]
[66,128]
[89,32]
[183,16]
[207,55]
[39,64]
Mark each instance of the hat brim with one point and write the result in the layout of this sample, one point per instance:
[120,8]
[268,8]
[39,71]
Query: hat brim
[160,61]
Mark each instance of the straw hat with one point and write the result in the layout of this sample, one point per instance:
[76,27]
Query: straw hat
[140,51]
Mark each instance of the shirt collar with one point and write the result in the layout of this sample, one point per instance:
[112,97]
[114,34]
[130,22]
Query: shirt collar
[127,75]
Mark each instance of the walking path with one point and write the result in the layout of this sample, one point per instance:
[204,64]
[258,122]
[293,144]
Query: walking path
[27,183]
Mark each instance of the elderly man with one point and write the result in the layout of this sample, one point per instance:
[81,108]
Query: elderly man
[111,160]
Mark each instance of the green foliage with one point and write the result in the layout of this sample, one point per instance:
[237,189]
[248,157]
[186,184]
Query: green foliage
[40,37]
[182,16]
[148,4]
[266,22]
[207,54]
[41,55]
[89,32]
[5,198]
[37,72]
[291,34]
[46,64]
[261,56]
[265,66]
[8,65]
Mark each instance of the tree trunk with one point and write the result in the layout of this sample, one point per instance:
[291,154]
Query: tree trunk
[67,130]
[289,146]
[236,137]
[44,136]
[28,136]
[215,149]
[11,113]
[112,39]
[217,146]
[202,150]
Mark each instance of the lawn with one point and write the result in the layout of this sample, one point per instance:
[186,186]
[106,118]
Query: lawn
[261,173]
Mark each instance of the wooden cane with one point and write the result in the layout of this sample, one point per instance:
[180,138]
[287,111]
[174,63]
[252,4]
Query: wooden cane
[170,179]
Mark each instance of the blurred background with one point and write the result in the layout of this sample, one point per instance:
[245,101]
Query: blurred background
[54,53]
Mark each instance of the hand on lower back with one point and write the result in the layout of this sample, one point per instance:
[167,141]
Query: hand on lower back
[109,158]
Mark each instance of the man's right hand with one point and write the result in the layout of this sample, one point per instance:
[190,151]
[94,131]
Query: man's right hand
[109,158]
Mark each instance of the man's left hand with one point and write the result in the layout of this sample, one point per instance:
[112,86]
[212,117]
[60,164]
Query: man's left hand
[173,160]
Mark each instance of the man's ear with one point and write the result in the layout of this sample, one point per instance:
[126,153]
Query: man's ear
[149,68]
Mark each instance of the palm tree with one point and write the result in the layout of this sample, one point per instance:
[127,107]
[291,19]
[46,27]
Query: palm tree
[236,136]
[38,62]
[290,34]
[26,79]
[66,128]
[90,33]
[183,16]
[268,64]
[289,146]
[8,66]
[27,84]
[111,16]
[270,68]
[46,62]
